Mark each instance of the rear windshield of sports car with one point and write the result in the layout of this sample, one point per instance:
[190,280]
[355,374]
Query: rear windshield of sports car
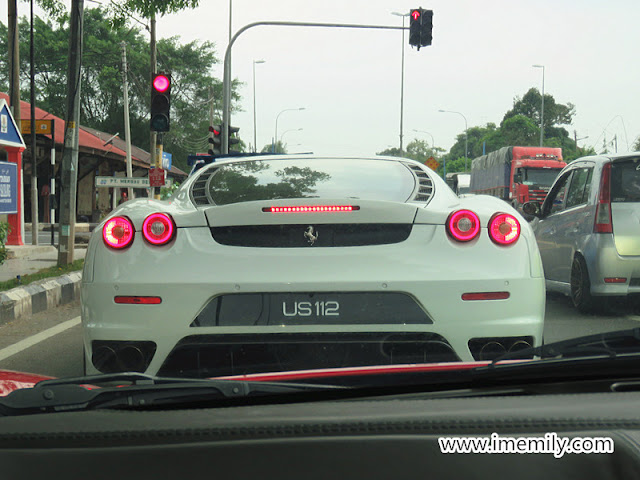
[311,178]
[625,180]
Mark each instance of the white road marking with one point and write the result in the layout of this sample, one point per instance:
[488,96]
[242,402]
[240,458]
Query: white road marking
[634,317]
[37,338]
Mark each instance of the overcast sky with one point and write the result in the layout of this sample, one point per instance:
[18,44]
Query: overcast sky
[348,81]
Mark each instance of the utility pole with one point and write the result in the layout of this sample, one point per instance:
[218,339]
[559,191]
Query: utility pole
[14,60]
[127,130]
[14,87]
[154,66]
[69,176]
[34,156]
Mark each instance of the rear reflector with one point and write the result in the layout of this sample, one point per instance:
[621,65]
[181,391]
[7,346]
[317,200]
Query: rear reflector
[134,300]
[615,280]
[486,296]
[311,209]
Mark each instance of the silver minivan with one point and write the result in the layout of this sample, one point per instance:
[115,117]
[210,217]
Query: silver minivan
[588,229]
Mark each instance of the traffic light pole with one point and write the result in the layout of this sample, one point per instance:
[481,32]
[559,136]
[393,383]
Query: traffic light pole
[226,87]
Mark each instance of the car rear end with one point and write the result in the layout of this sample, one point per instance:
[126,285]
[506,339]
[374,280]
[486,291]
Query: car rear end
[316,279]
[613,251]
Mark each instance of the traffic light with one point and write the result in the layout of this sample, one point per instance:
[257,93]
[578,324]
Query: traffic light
[215,139]
[160,102]
[233,140]
[420,27]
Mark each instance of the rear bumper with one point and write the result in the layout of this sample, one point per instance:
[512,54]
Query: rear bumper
[603,261]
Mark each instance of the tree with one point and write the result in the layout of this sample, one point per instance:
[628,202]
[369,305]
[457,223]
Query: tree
[530,105]
[101,103]
[279,148]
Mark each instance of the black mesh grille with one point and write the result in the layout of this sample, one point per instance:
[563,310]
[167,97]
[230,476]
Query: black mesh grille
[327,235]
[216,355]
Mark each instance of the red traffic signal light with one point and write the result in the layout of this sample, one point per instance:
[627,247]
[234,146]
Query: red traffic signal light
[160,102]
[420,27]
[161,83]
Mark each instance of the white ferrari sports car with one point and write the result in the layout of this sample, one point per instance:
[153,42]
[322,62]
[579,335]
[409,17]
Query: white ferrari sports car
[273,263]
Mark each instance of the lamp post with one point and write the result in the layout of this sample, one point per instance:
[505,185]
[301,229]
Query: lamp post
[403,15]
[287,131]
[542,108]
[433,143]
[466,139]
[255,135]
[275,137]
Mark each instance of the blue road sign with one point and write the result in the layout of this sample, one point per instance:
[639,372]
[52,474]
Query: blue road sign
[9,133]
[8,187]
[166,161]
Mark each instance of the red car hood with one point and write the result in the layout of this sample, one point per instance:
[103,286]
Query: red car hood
[10,380]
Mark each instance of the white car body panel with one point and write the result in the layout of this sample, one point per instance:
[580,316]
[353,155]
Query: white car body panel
[428,266]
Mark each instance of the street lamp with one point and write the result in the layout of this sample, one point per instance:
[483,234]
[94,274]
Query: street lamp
[278,116]
[403,15]
[287,131]
[466,139]
[542,109]
[255,135]
[433,143]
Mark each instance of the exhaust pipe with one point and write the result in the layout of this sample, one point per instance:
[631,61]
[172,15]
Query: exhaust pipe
[104,359]
[491,350]
[519,345]
[131,359]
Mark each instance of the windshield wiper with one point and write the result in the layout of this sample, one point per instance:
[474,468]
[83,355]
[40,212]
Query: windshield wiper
[137,390]
[609,344]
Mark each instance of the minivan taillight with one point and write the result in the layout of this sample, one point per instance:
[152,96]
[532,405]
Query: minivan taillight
[603,223]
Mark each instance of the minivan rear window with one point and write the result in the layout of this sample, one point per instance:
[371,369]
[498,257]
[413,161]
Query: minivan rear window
[625,180]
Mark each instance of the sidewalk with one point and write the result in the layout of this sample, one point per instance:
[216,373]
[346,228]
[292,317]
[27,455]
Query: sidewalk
[42,294]
[26,259]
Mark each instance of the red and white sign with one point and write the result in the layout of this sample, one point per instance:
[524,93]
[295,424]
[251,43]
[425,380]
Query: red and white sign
[156,177]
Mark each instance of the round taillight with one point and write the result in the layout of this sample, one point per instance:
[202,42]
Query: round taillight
[504,229]
[118,232]
[463,225]
[158,228]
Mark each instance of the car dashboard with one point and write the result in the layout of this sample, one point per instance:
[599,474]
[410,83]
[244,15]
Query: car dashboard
[375,437]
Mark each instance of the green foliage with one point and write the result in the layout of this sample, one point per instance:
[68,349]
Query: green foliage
[5,228]
[636,146]
[102,106]
[166,192]
[279,148]
[120,11]
[49,272]
[520,126]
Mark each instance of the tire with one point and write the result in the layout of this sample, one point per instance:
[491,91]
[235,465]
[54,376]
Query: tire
[581,286]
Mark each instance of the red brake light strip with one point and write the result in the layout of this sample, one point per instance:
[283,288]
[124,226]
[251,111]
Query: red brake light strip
[311,209]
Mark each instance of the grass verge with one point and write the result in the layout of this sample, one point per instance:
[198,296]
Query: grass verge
[54,271]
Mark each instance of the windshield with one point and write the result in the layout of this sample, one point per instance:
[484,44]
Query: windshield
[543,177]
[285,196]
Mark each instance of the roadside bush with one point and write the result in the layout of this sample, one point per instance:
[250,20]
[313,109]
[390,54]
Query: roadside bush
[5,228]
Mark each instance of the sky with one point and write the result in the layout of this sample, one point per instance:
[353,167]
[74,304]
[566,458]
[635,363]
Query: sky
[349,81]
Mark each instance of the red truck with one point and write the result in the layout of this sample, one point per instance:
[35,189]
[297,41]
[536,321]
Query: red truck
[516,174]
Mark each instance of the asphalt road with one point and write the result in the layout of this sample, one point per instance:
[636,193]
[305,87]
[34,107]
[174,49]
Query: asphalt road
[58,351]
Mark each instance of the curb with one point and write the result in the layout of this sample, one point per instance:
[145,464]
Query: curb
[39,296]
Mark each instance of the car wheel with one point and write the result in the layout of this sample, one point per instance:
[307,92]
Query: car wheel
[581,286]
